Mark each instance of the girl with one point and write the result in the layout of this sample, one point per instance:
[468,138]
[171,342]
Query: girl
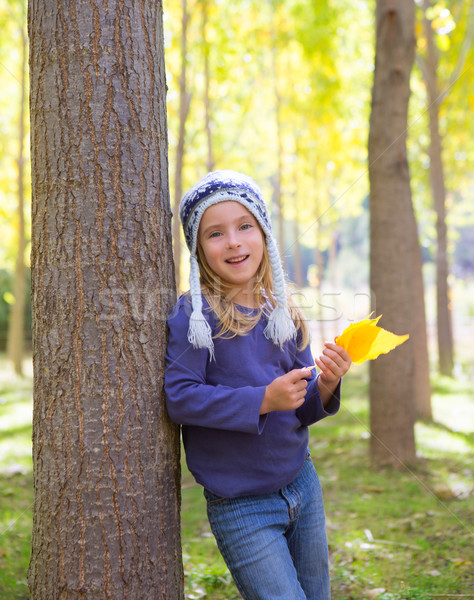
[237,380]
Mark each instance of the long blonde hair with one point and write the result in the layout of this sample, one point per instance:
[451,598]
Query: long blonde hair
[234,321]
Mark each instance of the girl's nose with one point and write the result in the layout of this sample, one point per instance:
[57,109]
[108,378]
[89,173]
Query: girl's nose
[233,241]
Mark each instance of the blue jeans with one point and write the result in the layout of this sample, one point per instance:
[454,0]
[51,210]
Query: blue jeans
[275,544]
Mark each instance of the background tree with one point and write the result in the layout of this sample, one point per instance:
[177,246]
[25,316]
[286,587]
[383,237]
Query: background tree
[184,103]
[438,88]
[391,241]
[106,457]
[13,26]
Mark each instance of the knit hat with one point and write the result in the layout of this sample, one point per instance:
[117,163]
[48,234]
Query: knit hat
[222,186]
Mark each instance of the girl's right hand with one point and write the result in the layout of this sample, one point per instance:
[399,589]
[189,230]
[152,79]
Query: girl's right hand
[286,392]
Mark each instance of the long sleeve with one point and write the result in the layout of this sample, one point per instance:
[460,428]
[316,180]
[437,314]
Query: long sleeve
[191,400]
[230,448]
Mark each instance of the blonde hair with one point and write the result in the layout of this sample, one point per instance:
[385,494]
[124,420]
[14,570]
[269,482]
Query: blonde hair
[235,322]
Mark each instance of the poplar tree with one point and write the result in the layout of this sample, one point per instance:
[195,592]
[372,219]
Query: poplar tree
[106,457]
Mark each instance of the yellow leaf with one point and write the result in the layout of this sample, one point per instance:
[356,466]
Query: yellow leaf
[365,340]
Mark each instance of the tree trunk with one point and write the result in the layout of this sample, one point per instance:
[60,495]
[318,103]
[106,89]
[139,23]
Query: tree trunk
[207,85]
[444,318]
[16,330]
[392,246]
[297,259]
[106,456]
[318,260]
[184,103]
[279,150]
[422,385]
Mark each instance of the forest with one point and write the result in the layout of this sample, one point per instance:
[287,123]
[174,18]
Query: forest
[317,101]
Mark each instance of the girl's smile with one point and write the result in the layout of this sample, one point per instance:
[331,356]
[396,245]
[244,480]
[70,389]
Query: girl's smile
[232,242]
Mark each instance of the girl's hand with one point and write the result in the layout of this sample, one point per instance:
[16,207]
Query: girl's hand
[333,363]
[286,392]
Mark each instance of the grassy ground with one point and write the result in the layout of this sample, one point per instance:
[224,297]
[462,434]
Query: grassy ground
[393,535]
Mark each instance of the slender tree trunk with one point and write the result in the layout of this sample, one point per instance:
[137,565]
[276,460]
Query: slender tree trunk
[318,259]
[184,103]
[443,300]
[392,246]
[16,330]
[106,456]
[319,262]
[422,386]
[207,85]
[298,263]
[279,165]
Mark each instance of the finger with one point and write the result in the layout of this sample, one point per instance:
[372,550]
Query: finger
[339,351]
[297,374]
[339,356]
[301,385]
[332,360]
[324,365]
[300,395]
[297,403]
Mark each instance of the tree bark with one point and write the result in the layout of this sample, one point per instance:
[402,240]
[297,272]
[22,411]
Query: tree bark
[392,246]
[106,456]
[443,301]
[184,104]
[16,329]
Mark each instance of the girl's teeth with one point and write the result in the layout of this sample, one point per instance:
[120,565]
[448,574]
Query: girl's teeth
[236,260]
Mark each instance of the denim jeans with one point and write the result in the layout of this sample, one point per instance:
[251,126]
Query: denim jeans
[275,544]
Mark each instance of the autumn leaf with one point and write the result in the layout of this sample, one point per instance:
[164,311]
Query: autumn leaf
[365,340]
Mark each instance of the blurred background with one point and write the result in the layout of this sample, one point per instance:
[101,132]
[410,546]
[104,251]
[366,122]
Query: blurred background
[281,90]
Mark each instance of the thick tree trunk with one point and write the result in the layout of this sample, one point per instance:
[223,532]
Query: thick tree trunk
[16,329]
[184,103]
[391,211]
[443,311]
[106,457]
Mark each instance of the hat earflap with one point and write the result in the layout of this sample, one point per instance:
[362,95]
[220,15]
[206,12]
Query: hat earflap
[280,327]
[199,332]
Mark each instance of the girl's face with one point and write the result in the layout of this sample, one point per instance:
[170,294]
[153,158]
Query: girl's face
[233,243]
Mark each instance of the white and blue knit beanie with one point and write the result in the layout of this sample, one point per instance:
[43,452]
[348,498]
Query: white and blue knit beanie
[222,186]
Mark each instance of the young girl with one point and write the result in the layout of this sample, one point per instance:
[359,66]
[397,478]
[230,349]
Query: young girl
[237,380]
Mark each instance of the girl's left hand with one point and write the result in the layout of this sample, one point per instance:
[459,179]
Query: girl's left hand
[333,363]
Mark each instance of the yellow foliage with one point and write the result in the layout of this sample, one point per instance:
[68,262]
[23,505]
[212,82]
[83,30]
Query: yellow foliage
[366,341]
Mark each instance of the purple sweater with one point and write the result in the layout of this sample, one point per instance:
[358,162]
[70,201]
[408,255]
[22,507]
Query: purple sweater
[230,448]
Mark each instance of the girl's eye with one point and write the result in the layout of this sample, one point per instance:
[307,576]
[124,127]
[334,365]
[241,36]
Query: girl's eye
[246,226]
[214,234]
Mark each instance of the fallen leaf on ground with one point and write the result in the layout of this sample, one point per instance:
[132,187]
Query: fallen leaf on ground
[365,340]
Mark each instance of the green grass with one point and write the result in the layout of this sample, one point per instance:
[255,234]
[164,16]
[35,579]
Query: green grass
[16,481]
[393,535]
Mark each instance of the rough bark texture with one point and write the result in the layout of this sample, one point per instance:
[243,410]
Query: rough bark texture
[106,457]
[391,213]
